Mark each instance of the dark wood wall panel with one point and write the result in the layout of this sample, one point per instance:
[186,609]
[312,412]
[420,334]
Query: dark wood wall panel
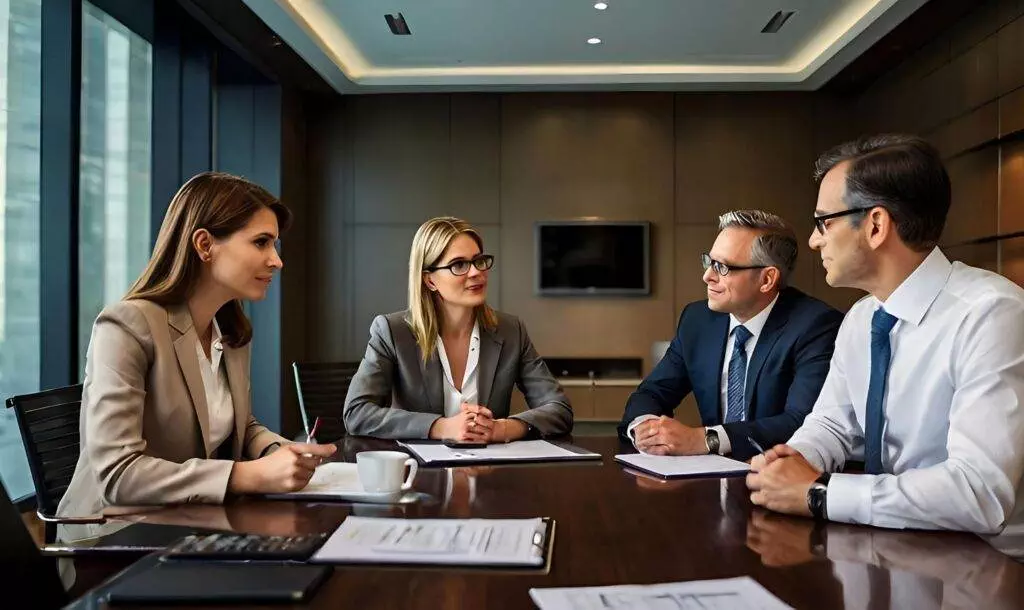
[966,91]
[582,155]
[380,165]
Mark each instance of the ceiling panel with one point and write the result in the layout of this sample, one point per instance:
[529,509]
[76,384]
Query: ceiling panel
[531,44]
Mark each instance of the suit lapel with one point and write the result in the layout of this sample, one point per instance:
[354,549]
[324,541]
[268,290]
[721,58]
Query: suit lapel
[720,335]
[765,343]
[487,366]
[180,320]
[234,360]
[433,382]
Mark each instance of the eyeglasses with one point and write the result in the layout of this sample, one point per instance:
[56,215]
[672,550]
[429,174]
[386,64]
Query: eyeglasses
[723,269]
[461,267]
[819,221]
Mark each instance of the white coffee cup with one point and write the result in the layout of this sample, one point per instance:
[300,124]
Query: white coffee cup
[382,471]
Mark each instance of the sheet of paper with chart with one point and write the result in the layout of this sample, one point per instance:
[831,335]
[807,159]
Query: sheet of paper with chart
[525,451]
[726,594]
[674,466]
[485,542]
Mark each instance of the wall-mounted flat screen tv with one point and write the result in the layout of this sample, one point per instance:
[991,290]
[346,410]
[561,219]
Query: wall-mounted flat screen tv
[593,258]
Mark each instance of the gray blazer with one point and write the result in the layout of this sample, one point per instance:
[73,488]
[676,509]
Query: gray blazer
[395,395]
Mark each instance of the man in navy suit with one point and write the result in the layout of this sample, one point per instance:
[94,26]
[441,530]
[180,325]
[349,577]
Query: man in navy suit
[755,354]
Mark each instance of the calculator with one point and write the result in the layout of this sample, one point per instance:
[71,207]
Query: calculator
[245,546]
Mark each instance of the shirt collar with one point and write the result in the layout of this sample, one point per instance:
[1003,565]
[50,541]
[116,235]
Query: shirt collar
[912,299]
[756,324]
[216,336]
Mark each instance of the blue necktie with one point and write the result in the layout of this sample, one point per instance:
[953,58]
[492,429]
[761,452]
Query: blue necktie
[737,375]
[881,353]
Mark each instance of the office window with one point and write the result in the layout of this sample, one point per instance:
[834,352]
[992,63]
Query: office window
[114,173]
[20,81]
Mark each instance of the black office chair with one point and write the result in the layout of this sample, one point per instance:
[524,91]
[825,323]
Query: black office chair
[48,422]
[27,578]
[322,387]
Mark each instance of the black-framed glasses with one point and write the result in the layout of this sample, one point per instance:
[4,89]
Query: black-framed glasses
[461,266]
[723,269]
[819,221]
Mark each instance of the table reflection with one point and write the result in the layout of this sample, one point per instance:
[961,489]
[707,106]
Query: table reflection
[906,569]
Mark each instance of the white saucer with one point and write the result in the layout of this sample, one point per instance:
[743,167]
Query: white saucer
[339,481]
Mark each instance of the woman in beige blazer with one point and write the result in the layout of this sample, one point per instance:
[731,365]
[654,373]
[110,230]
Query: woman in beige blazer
[166,416]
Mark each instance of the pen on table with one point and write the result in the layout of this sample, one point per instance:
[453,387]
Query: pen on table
[759,448]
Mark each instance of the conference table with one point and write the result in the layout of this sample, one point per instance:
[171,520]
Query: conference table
[616,527]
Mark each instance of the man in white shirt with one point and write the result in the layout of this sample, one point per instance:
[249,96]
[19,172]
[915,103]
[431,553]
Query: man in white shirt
[926,383]
[754,353]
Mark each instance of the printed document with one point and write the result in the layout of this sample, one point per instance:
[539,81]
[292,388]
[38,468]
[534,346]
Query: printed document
[527,451]
[726,594]
[489,542]
[670,466]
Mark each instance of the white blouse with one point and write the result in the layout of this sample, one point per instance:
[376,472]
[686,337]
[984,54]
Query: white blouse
[218,394]
[453,398]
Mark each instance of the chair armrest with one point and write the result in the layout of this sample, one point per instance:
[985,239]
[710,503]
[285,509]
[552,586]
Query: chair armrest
[70,520]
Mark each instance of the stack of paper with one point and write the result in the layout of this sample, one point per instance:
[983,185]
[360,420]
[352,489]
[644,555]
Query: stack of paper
[725,594]
[517,451]
[673,466]
[488,542]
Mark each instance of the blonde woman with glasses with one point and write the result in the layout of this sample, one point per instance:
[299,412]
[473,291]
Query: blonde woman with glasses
[445,367]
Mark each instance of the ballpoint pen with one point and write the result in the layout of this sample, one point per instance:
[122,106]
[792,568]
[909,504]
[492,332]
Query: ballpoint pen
[311,437]
[759,448]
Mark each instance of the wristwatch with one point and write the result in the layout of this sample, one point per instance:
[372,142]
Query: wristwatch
[711,441]
[817,497]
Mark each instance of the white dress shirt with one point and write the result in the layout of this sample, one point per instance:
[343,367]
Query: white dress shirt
[953,436]
[218,394]
[453,397]
[755,325]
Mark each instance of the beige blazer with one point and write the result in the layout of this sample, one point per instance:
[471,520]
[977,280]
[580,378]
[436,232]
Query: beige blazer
[144,416]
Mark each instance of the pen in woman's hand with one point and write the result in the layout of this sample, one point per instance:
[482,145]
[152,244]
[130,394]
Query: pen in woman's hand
[311,437]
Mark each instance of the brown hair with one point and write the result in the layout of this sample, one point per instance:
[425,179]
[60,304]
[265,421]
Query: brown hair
[222,204]
[903,174]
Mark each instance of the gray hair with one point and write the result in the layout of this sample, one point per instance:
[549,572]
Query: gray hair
[776,246]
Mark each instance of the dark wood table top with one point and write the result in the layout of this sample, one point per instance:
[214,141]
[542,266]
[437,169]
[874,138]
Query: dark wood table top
[618,527]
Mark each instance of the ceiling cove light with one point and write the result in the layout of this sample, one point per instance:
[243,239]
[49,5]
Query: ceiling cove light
[601,6]
[594,40]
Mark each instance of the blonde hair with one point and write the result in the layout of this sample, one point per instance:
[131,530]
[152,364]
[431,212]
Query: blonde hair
[428,246]
[221,204]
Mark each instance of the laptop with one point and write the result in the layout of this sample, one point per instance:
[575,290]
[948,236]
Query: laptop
[26,577]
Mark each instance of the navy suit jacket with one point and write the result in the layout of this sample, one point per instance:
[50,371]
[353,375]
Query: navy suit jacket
[784,375]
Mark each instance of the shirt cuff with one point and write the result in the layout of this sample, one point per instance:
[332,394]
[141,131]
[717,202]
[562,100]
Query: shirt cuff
[812,455]
[636,422]
[849,498]
[724,444]
[272,447]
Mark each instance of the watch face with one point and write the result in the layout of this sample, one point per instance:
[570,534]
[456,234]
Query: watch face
[711,440]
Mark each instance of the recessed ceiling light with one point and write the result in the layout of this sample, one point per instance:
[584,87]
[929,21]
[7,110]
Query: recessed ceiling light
[593,41]
[601,6]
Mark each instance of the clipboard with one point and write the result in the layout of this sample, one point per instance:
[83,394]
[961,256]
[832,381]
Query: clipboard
[576,454]
[545,546]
